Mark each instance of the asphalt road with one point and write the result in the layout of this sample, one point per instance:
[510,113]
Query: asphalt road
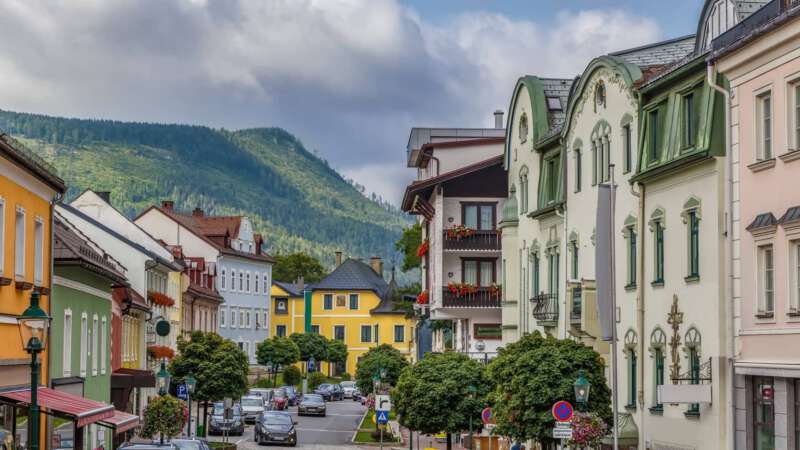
[335,430]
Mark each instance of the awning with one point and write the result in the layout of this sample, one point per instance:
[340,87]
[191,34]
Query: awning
[132,378]
[81,410]
[130,298]
[120,422]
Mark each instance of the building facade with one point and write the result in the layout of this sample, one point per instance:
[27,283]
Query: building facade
[760,58]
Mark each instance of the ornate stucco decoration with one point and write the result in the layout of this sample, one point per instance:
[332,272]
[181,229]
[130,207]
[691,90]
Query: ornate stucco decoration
[675,319]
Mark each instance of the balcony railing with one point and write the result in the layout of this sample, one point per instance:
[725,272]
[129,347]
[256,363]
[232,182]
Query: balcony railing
[477,240]
[545,307]
[577,305]
[481,298]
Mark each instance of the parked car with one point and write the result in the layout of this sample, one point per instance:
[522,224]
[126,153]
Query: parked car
[312,404]
[357,395]
[330,392]
[252,406]
[275,427]
[219,424]
[280,399]
[131,446]
[264,393]
[191,444]
[348,387]
[292,395]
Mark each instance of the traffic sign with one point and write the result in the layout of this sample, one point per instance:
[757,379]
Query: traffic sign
[562,433]
[487,415]
[383,403]
[183,393]
[562,411]
[382,417]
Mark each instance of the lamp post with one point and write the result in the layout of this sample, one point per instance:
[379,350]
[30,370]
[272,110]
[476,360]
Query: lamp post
[582,387]
[163,378]
[191,384]
[33,324]
[472,390]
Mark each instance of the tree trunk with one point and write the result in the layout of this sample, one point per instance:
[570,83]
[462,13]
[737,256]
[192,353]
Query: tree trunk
[449,441]
[205,418]
[274,375]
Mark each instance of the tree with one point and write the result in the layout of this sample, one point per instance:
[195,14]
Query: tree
[218,364]
[337,353]
[292,376]
[434,394]
[290,267]
[534,373]
[408,244]
[165,417]
[311,344]
[277,352]
[383,357]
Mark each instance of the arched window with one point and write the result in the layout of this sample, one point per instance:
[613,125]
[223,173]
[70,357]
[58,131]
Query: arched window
[233,280]
[657,226]
[630,352]
[601,153]
[523,128]
[523,189]
[241,281]
[692,343]
[691,217]
[658,344]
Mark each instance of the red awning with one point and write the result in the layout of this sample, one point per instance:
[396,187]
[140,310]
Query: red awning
[82,410]
[120,421]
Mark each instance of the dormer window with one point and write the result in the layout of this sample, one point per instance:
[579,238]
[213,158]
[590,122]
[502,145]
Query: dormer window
[554,104]
[600,96]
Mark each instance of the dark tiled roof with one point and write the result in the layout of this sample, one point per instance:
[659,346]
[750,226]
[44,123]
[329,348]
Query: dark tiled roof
[353,275]
[792,214]
[290,288]
[72,246]
[762,221]
[17,153]
[421,185]
[659,53]
[387,304]
[557,88]
[744,8]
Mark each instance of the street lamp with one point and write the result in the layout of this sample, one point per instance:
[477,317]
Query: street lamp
[33,324]
[582,387]
[472,390]
[191,384]
[163,378]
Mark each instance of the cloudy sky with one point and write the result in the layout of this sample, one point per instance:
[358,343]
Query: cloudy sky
[348,77]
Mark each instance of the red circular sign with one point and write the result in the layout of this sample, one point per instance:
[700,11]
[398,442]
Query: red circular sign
[487,415]
[562,411]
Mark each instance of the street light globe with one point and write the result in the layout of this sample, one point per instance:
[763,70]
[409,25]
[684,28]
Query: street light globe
[33,324]
[191,383]
[581,387]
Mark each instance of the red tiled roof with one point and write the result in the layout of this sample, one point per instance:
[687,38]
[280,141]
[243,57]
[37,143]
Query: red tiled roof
[80,409]
[121,421]
[127,295]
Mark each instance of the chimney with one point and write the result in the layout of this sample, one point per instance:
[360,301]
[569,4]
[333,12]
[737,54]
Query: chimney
[498,119]
[376,264]
[197,212]
[338,259]
[300,284]
[105,195]
[167,204]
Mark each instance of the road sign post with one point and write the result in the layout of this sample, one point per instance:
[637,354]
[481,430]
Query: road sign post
[562,412]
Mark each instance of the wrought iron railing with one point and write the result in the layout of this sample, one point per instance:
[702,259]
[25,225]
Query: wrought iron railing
[477,240]
[545,307]
[479,298]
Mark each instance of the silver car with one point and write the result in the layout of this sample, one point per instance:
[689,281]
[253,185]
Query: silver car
[252,407]
[349,387]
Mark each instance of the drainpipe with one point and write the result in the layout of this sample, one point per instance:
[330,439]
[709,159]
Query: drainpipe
[563,215]
[640,325]
[731,403]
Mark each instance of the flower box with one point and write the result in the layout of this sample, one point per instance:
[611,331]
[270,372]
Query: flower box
[157,298]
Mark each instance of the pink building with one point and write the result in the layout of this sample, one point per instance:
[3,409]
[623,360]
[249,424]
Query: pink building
[761,59]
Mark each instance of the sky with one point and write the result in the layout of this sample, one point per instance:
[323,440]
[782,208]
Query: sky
[348,77]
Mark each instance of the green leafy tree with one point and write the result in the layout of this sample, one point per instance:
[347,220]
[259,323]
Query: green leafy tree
[434,395]
[277,352]
[311,344]
[408,244]
[218,364]
[164,417]
[292,376]
[534,373]
[337,352]
[315,379]
[384,357]
[290,267]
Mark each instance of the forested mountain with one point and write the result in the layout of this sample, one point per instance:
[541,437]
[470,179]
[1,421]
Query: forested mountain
[292,196]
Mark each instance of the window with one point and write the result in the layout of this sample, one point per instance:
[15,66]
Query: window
[222,319]
[631,379]
[241,281]
[606,161]
[692,344]
[66,361]
[552,263]
[222,280]
[266,284]
[654,141]
[595,165]
[103,344]
[280,330]
[794,249]
[338,332]
[281,306]
[255,280]
[766,269]
[19,244]
[399,333]
[479,272]
[247,283]
[523,190]
[764,126]
[763,413]
[84,343]
[376,333]
[552,180]
[535,274]
[574,254]
[315,329]
[796,90]
[631,234]
[554,104]
[247,317]
[233,280]
[658,342]
[694,244]
[578,161]
[627,149]
[658,235]
[353,301]
[327,301]
[687,113]
[38,251]
[366,333]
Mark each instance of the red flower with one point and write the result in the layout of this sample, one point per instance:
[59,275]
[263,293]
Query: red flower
[423,248]
[160,352]
[160,299]
[422,298]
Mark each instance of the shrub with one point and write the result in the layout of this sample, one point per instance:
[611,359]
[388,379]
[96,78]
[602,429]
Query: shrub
[346,377]
[263,383]
[292,376]
[315,379]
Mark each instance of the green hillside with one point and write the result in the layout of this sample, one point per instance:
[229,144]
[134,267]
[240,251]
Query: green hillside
[293,197]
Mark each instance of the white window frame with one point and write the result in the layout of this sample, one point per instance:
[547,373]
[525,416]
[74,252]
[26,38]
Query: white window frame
[95,343]
[84,342]
[38,251]
[66,360]
[234,317]
[222,317]
[247,315]
[792,113]
[233,280]
[761,136]
[103,344]
[19,244]
[266,285]
[764,272]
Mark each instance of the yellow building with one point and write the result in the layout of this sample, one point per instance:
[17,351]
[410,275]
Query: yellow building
[28,187]
[353,304]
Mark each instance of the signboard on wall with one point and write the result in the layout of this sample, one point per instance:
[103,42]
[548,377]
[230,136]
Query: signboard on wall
[684,393]
[490,331]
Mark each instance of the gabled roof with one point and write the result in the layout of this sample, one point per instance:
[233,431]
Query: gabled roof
[290,288]
[387,304]
[15,152]
[659,53]
[70,245]
[353,275]
[421,186]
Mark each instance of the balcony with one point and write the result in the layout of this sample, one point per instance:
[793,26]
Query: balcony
[545,308]
[481,298]
[577,306]
[478,240]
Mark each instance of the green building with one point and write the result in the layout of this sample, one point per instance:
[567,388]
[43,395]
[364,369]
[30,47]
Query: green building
[81,330]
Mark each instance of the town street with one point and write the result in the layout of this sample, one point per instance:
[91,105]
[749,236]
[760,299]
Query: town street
[334,430]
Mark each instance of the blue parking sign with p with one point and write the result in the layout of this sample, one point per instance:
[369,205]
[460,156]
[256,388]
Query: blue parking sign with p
[382,417]
[183,393]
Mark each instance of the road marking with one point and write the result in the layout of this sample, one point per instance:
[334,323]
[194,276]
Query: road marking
[323,431]
[240,441]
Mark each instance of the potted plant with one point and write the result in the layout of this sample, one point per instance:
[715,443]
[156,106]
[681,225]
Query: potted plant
[422,250]
[422,298]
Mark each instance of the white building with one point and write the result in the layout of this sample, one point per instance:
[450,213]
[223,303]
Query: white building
[243,270]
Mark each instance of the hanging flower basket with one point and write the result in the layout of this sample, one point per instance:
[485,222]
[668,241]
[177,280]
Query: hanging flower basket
[495,290]
[459,232]
[160,352]
[158,298]
[454,288]
[588,430]
[422,298]
[468,289]
[422,250]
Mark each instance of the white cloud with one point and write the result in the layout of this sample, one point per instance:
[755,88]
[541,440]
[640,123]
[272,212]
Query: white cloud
[349,77]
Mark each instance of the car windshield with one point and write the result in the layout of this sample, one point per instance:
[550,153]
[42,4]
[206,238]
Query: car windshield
[313,398]
[324,386]
[347,384]
[252,402]
[277,419]
[280,393]
[219,410]
[188,445]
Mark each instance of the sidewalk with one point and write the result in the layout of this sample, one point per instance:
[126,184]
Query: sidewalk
[425,441]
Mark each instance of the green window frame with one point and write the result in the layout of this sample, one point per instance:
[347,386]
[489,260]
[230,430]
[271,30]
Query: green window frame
[574,256]
[327,302]
[627,147]
[658,241]
[353,301]
[399,333]
[535,274]
[688,120]
[280,330]
[551,180]
[631,232]
[694,244]
[594,163]
[578,169]
[694,377]
[658,374]
[366,333]
[631,380]
[654,141]
[552,262]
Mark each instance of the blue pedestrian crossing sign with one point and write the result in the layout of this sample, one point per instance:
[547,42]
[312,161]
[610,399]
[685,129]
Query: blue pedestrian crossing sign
[183,393]
[382,417]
